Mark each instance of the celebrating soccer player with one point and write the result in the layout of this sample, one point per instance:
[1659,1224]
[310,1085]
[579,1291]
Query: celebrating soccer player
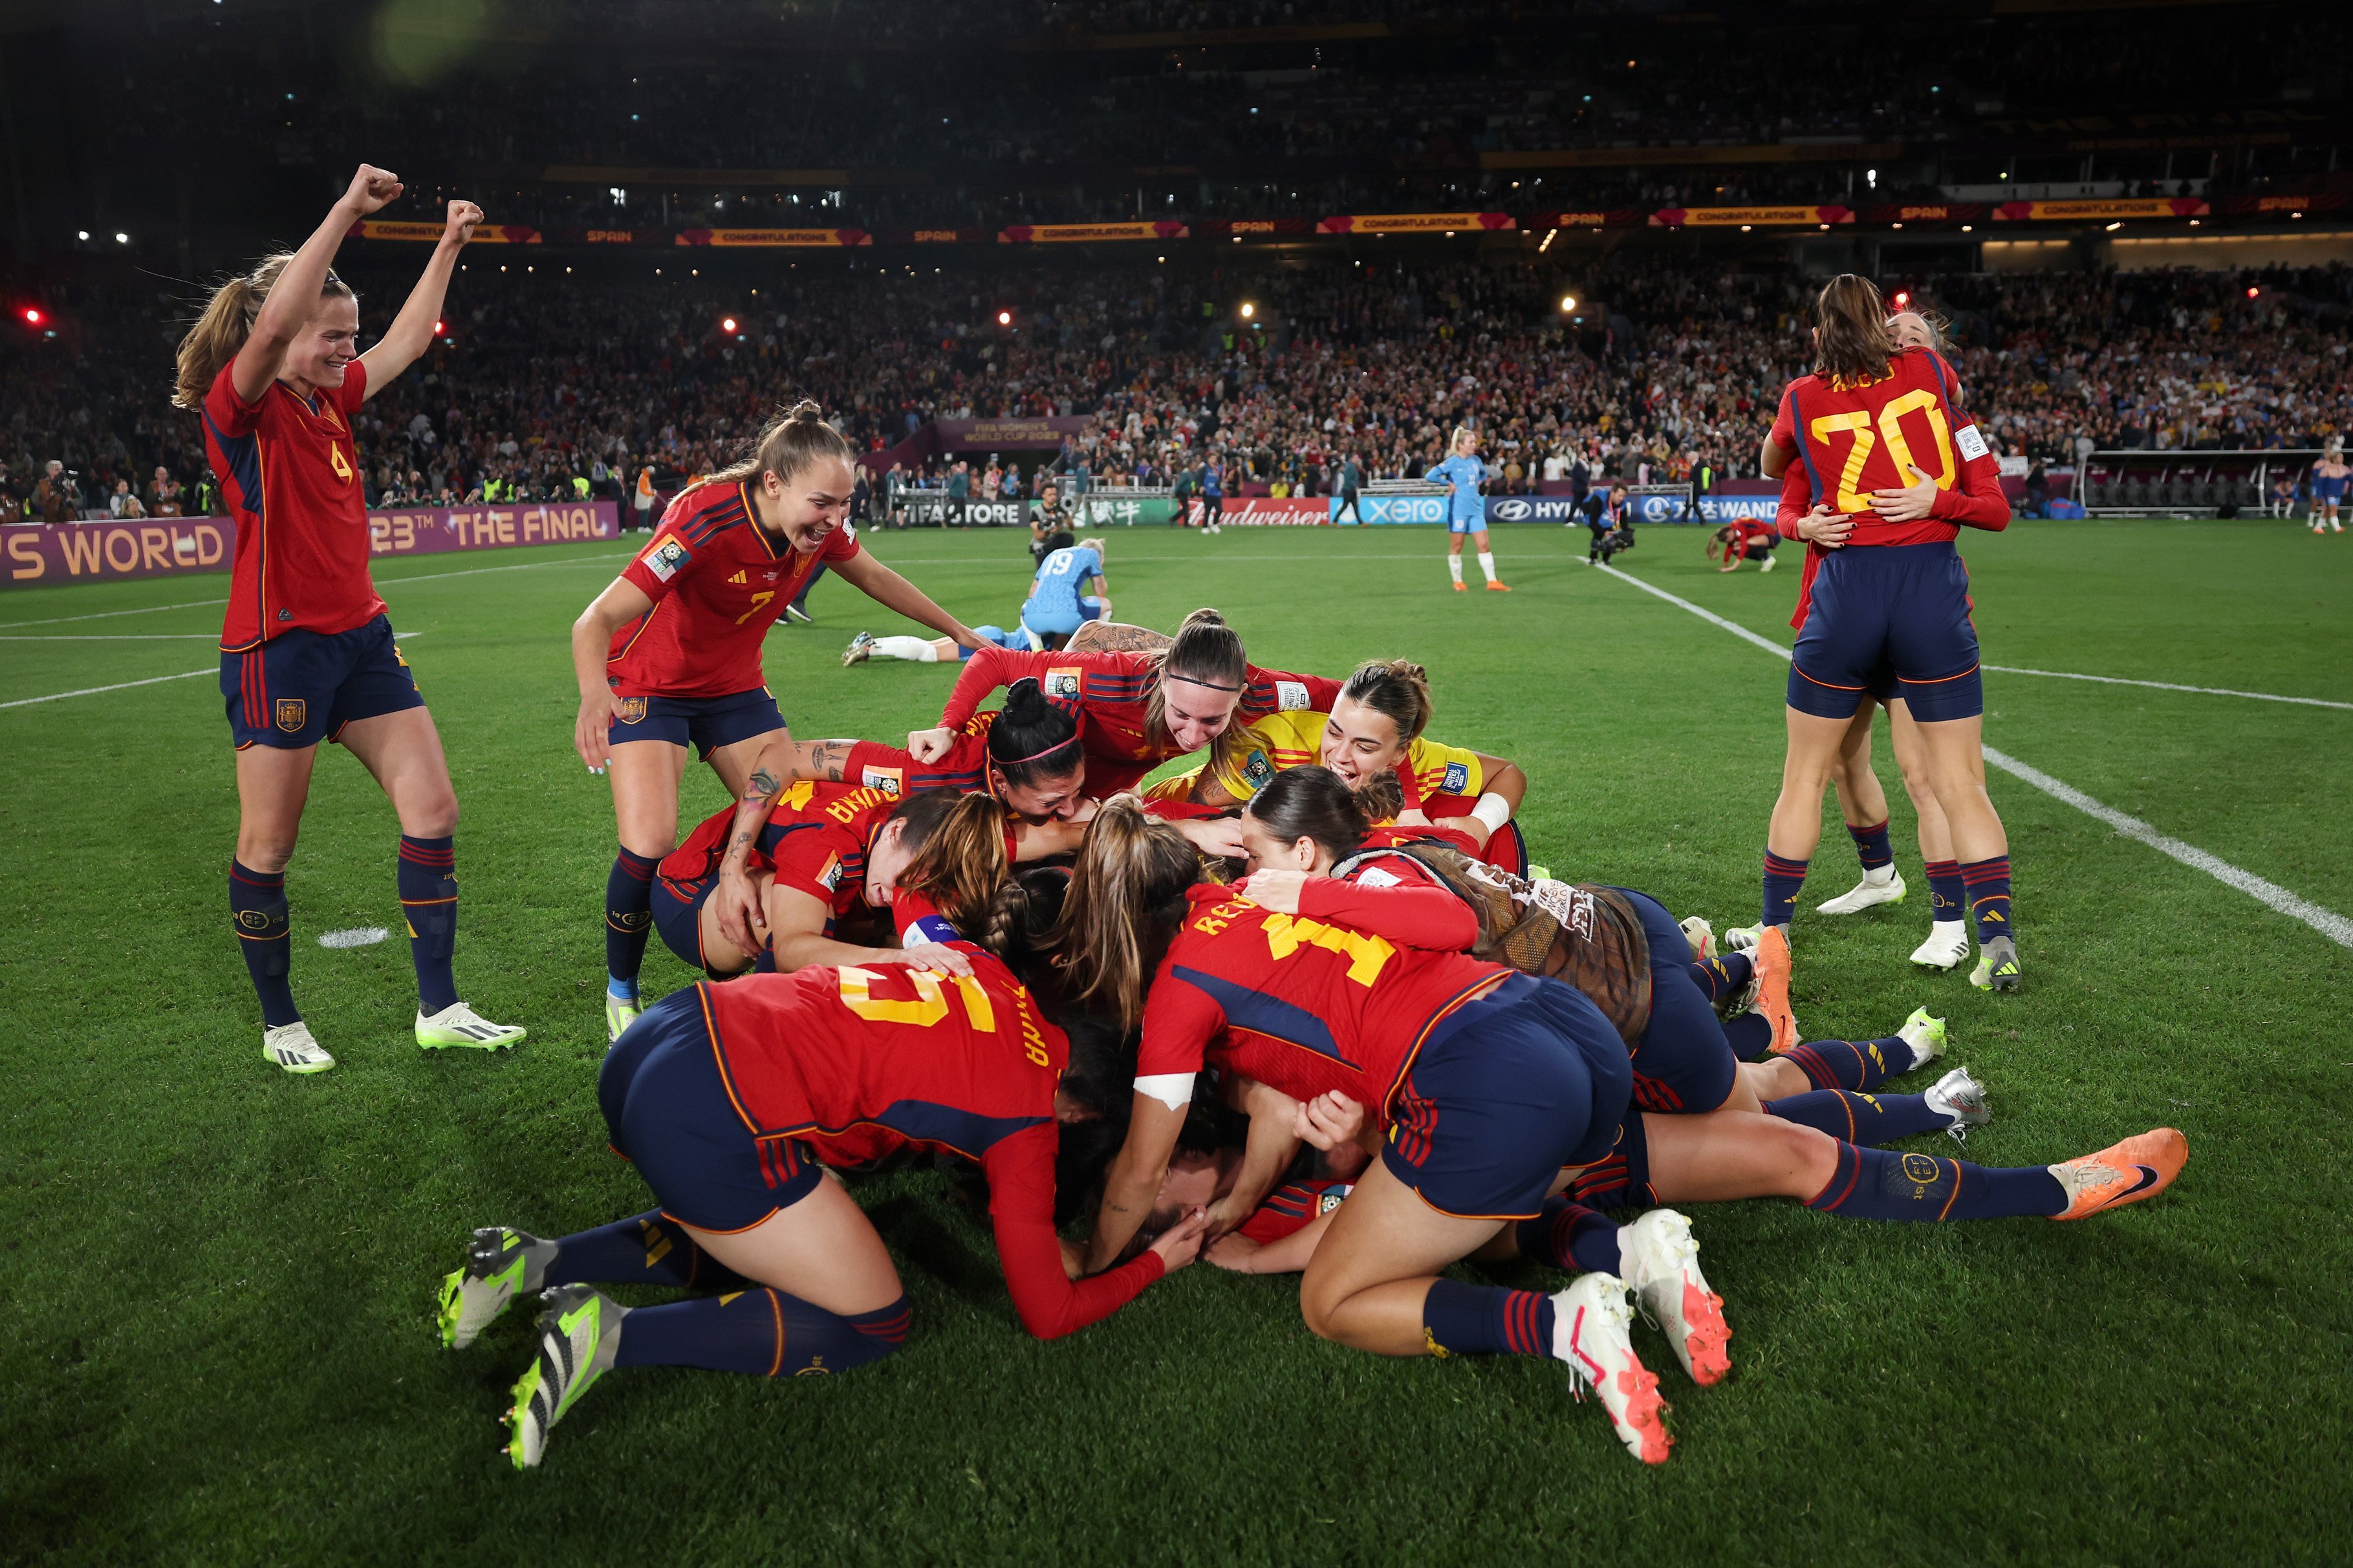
[307,652]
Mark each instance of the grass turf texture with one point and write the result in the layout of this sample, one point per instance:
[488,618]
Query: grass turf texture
[219,1281]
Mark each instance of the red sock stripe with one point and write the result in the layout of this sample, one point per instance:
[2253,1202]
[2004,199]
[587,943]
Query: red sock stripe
[1776,866]
[1844,1177]
[1812,1062]
[636,868]
[1943,868]
[891,1330]
[1978,871]
[269,881]
[1875,827]
[1520,1322]
[417,854]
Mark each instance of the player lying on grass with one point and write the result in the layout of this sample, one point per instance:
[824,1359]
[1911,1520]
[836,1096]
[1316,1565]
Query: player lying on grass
[1484,1082]
[274,367]
[728,1099]
[1068,592]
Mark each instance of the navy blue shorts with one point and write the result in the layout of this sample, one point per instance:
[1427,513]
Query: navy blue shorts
[1507,1090]
[706,723]
[678,915]
[302,687]
[1889,620]
[666,1113]
[1621,1178]
[1682,1063]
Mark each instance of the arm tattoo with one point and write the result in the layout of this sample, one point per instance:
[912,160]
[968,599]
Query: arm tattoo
[830,758]
[762,786]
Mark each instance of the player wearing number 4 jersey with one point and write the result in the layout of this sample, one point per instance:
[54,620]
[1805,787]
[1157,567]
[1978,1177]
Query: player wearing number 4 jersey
[307,653]
[1891,473]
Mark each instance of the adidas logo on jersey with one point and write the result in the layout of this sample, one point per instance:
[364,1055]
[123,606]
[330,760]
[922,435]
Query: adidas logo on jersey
[739,577]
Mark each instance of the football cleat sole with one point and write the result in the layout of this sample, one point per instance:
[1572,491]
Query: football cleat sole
[579,1334]
[1661,1266]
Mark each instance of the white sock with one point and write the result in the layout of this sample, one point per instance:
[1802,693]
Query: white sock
[1487,564]
[1454,565]
[1879,876]
[918,650]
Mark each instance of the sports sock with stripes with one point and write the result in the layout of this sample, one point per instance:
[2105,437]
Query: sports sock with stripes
[1880,1183]
[1860,1118]
[1947,894]
[1852,1064]
[1484,1320]
[629,917]
[762,1332]
[1570,1235]
[1783,878]
[1724,974]
[257,912]
[428,897]
[645,1249]
[1871,847]
[1988,885]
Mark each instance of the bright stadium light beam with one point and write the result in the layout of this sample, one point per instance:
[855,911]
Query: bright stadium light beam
[1568,303]
[1249,309]
[727,323]
[1003,318]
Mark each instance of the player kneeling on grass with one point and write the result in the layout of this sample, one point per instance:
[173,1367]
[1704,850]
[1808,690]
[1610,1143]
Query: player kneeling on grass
[1068,591]
[730,1098]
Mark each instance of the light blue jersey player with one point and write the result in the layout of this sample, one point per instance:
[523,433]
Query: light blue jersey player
[1466,511]
[1059,605]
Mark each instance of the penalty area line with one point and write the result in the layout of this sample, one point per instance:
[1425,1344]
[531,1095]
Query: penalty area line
[2328,923]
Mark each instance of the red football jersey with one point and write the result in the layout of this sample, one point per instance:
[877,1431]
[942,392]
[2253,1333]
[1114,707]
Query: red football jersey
[814,840]
[1853,437]
[289,472]
[1299,1005]
[1397,897]
[861,1063]
[894,769]
[1114,692]
[718,581]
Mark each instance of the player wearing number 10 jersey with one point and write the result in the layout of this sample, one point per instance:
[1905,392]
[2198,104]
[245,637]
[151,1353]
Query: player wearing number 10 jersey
[1893,472]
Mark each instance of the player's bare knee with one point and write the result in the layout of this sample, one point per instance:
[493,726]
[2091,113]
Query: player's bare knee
[1804,1158]
[268,853]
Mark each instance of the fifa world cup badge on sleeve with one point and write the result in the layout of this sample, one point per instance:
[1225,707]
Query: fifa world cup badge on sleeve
[1063,683]
[1972,444]
[888,780]
[665,558]
[1457,779]
[1258,770]
[1290,696]
[830,878]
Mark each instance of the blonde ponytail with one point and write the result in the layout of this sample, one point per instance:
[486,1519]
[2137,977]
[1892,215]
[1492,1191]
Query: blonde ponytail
[219,334]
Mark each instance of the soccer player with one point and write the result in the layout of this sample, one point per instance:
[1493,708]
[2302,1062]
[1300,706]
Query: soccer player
[1750,539]
[730,1099]
[307,652]
[2328,477]
[669,655]
[1884,596]
[1485,1083]
[1462,473]
[1056,608]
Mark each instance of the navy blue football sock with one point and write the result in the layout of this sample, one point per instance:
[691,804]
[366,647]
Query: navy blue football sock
[763,1331]
[1570,1235]
[1750,1037]
[1880,1183]
[1988,884]
[1484,1320]
[257,912]
[428,897]
[1783,878]
[1722,975]
[1871,845]
[1860,1118]
[646,1249]
[1949,898]
[1852,1064]
[629,917]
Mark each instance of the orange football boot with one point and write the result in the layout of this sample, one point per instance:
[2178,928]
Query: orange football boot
[2140,1167]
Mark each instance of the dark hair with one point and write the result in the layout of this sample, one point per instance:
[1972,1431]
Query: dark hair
[1102,1078]
[1310,801]
[787,444]
[1060,539]
[1396,689]
[1851,334]
[1033,739]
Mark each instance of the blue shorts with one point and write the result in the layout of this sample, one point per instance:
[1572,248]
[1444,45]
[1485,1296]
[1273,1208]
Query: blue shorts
[1889,620]
[1467,522]
[706,723]
[2328,489]
[1621,1178]
[1060,620]
[302,687]
[1682,1063]
[678,915]
[666,1113]
[1507,1090]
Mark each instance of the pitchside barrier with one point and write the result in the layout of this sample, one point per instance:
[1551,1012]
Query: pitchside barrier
[177,546]
[1122,508]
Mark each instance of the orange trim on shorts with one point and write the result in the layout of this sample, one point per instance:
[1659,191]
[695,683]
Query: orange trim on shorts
[1932,680]
[1831,685]
[713,1230]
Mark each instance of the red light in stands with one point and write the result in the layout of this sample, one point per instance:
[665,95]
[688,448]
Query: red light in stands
[441,329]
[2252,292]
[1003,318]
[728,324]
[1901,300]
[32,317]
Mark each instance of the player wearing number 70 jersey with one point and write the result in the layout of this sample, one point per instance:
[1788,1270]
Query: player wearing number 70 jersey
[1893,473]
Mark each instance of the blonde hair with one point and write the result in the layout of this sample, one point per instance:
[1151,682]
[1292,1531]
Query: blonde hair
[1126,899]
[1850,336]
[1460,432]
[227,318]
[785,445]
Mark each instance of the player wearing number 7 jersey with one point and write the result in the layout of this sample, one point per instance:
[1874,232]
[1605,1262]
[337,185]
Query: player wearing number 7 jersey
[1893,473]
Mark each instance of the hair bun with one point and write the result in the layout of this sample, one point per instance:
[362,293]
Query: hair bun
[806,408]
[1204,617]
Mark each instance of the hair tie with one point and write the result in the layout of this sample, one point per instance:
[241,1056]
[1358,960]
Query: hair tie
[1196,681]
[1017,762]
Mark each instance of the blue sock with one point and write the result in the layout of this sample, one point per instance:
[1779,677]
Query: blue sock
[1722,975]
[257,912]
[1484,1320]
[428,897]
[1860,1117]
[1871,845]
[1879,1183]
[762,1332]
[646,1249]
[629,918]
[1783,877]
[1861,1065]
[1948,896]
[1570,1235]
[1750,1037]
[1988,884]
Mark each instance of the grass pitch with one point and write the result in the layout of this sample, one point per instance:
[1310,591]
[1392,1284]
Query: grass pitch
[219,1280]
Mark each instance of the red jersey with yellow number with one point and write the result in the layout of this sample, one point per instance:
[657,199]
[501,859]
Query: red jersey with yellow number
[718,581]
[861,1063]
[814,840]
[1854,436]
[290,474]
[1298,1004]
[1113,691]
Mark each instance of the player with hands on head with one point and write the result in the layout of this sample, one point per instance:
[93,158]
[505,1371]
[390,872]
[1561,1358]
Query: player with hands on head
[275,368]
[667,656]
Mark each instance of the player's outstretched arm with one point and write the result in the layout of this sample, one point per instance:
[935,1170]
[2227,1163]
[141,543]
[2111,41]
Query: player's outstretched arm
[893,592]
[295,296]
[411,332]
[1134,1179]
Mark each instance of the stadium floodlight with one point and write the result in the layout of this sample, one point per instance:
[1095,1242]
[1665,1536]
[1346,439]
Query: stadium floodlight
[2116,226]
[81,233]
[1568,303]
[727,323]
[1902,300]
[122,238]
[1972,228]
[2253,292]
[1003,318]
[1249,309]
[441,329]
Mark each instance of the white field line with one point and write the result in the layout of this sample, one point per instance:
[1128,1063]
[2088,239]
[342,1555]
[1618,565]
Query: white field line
[2328,923]
[2170,686]
[118,686]
[201,603]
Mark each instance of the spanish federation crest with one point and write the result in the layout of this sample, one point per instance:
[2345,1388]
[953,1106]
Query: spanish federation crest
[292,712]
[633,710]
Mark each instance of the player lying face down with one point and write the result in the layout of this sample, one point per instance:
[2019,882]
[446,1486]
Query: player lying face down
[1485,1082]
[730,1100]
